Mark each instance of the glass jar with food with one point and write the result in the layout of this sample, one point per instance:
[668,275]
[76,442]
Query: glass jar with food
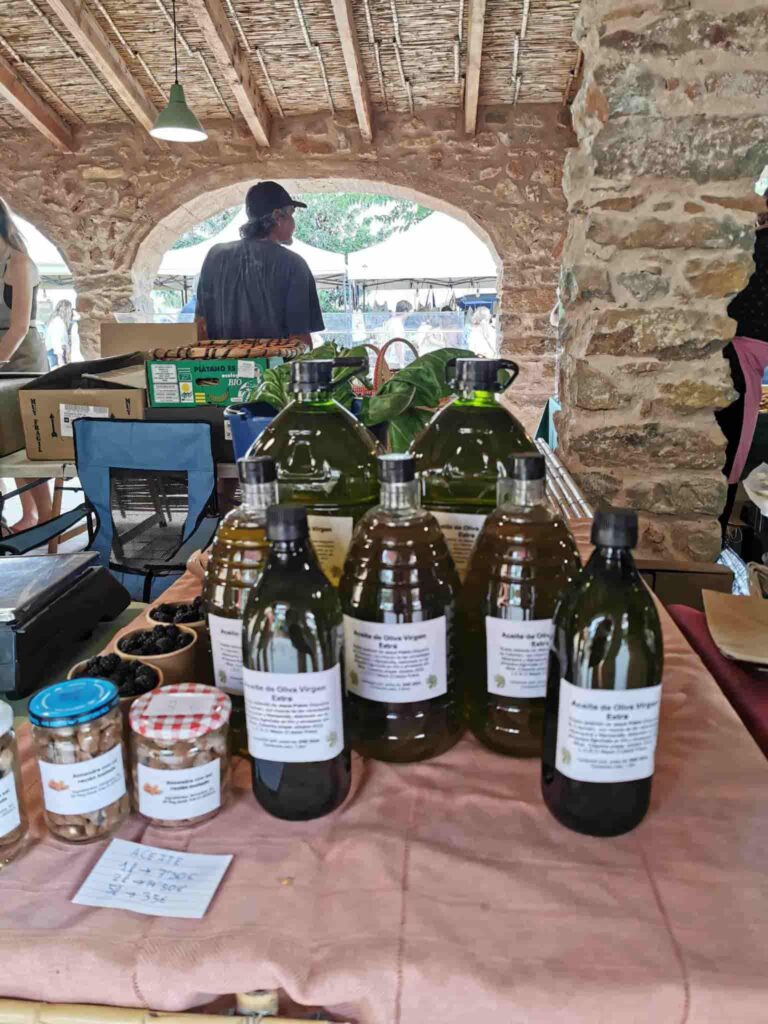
[77,731]
[13,822]
[179,754]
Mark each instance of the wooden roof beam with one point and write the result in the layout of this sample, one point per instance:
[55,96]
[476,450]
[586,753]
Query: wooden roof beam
[476,20]
[34,108]
[350,47]
[91,40]
[233,65]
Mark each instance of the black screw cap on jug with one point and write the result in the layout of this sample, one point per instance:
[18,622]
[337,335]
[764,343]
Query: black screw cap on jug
[615,528]
[287,522]
[479,374]
[396,469]
[317,374]
[526,466]
[256,469]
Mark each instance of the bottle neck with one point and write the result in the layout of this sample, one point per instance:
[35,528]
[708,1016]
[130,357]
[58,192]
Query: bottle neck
[613,561]
[321,396]
[516,493]
[259,497]
[401,497]
[477,397]
[290,552]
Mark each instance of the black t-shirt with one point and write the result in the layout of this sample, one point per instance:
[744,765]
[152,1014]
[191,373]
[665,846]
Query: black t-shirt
[750,307]
[257,289]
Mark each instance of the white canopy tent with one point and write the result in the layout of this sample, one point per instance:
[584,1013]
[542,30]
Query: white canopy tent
[327,268]
[438,251]
[44,255]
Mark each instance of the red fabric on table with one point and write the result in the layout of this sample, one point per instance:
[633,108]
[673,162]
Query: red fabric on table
[441,892]
[746,689]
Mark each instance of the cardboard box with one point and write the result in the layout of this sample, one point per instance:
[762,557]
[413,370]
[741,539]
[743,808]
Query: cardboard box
[50,404]
[124,339]
[683,582]
[11,429]
[181,383]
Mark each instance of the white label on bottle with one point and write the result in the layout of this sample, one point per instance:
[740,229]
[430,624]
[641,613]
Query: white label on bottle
[607,735]
[396,664]
[331,537]
[183,793]
[9,805]
[69,413]
[294,717]
[518,656]
[83,787]
[227,649]
[460,530]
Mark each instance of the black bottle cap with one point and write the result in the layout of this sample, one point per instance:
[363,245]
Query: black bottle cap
[287,522]
[479,374]
[256,469]
[526,466]
[615,528]
[396,469]
[317,374]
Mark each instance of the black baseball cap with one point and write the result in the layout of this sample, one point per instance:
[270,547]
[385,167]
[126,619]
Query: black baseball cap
[267,196]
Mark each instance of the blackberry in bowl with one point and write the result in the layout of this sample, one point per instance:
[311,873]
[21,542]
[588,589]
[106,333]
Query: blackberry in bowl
[132,678]
[189,613]
[170,648]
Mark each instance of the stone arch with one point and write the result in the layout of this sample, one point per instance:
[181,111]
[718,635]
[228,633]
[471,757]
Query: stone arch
[164,233]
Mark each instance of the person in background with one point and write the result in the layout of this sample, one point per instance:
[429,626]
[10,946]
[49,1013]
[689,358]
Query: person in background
[189,309]
[482,336]
[398,355]
[747,355]
[21,347]
[58,334]
[257,288]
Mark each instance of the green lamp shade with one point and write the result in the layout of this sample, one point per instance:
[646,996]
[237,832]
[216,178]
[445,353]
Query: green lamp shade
[176,122]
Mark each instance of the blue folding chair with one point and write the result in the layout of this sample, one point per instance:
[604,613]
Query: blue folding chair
[151,487]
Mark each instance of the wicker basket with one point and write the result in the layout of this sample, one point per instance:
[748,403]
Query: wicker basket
[247,348]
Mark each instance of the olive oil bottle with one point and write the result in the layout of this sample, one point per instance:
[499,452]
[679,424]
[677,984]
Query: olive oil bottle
[398,594]
[237,558]
[604,689]
[292,678]
[522,561]
[459,454]
[326,459]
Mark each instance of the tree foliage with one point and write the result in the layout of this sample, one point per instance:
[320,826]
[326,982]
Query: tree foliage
[207,228]
[347,221]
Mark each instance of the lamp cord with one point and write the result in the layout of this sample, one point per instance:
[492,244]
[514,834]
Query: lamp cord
[175,46]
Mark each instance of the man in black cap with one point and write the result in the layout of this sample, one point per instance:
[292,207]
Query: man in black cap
[257,288]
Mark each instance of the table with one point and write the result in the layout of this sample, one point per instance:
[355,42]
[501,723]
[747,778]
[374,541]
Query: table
[443,892]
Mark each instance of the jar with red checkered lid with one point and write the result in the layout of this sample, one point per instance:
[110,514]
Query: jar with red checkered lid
[179,754]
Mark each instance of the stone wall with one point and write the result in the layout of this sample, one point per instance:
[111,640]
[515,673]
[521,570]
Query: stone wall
[672,129]
[113,207]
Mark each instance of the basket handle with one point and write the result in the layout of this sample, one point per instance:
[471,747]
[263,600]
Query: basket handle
[382,373]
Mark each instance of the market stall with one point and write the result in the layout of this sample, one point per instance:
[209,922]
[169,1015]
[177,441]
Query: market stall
[439,890]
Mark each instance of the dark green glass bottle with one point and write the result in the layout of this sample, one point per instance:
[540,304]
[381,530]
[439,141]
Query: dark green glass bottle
[235,564]
[398,594]
[326,459]
[292,678]
[604,689]
[523,559]
[460,453]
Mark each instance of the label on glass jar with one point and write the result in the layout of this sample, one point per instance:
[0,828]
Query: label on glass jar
[460,530]
[9,805]
[294,717]
[331,537]
[396,664]
[227,649]
[180,793]
[518,656]
[607,735]
[85,786]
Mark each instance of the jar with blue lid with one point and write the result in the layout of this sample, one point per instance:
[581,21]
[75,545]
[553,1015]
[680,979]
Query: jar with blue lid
[13,822]
[78,732]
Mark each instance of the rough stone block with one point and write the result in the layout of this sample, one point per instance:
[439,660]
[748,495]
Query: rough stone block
[584,283]
[644,285]
[647,444]
[654,233]
[592,389]
[718,278]
[673,333]
[681,495]
[691,395]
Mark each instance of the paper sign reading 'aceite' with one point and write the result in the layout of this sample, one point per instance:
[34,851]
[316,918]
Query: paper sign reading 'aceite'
[150,880]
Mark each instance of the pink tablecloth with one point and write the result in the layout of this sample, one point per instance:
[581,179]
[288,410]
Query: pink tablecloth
[443,893]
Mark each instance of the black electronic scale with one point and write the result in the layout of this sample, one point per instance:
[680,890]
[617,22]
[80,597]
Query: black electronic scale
[48,605]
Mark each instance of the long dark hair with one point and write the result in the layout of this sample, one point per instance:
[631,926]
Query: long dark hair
[9,232]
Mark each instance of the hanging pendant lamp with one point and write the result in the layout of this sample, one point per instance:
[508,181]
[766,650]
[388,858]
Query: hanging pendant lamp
[176,122]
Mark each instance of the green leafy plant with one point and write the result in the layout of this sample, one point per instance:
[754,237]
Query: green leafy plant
[274,385]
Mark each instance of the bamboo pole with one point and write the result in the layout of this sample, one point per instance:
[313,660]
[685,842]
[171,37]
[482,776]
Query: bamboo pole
[21,1011]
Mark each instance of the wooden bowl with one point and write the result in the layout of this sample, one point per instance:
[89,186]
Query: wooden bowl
[176,666]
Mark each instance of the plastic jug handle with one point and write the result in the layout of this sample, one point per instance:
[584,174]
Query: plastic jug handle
[512,368]
[450,372]
[348,362]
